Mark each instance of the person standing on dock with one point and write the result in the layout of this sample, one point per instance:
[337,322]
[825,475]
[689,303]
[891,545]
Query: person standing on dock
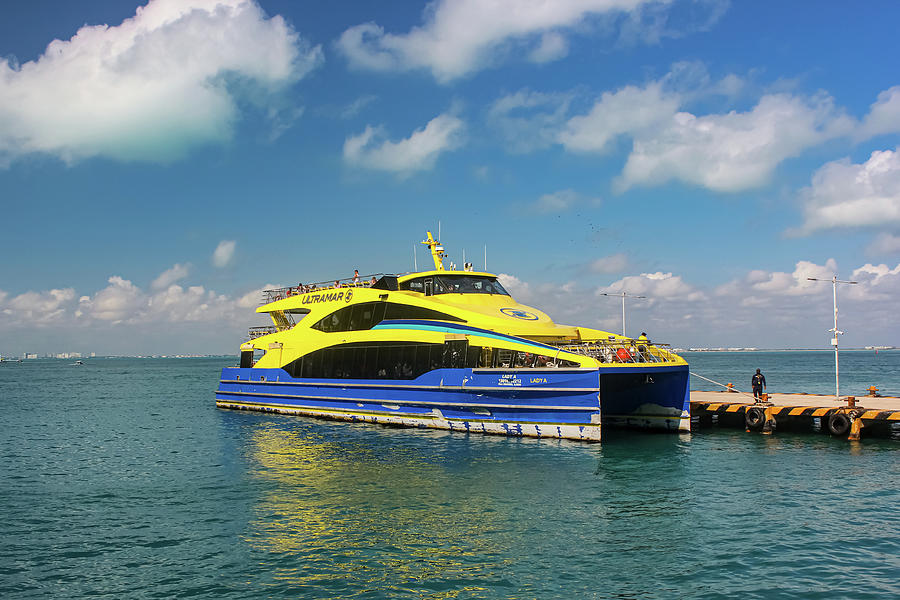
[758,382]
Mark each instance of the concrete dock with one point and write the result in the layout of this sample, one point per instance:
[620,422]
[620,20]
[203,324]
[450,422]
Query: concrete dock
[875,416]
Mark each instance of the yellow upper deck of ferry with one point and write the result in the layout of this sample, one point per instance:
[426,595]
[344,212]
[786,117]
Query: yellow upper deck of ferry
[473,297]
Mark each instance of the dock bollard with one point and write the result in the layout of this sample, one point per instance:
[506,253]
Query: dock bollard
[856,425]
[769,424]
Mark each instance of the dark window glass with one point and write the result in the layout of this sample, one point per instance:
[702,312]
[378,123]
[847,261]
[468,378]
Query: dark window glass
[401,360]
[465,284]
[368,314]
[473,357]
[414,285]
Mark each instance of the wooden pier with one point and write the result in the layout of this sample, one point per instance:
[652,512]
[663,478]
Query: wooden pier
[866,416]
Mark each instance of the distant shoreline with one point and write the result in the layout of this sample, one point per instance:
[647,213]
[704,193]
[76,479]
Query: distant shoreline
[733,350]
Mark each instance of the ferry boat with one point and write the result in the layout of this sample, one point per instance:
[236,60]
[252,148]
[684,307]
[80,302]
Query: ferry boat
[451,350]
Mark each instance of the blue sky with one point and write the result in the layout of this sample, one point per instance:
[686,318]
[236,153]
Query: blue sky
[161,162]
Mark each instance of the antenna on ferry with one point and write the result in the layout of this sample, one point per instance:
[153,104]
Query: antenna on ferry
[623,295]
[834,341]
[415,262]
[437,252]
[485,258]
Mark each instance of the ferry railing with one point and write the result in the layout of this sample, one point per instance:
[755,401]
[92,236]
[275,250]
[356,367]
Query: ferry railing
[318,286]
[256,332]
[622,351]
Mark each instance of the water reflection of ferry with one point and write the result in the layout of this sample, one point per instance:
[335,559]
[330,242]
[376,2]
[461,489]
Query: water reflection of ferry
[450,350]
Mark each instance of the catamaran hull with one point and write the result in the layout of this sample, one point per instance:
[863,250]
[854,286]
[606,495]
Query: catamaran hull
[554,403]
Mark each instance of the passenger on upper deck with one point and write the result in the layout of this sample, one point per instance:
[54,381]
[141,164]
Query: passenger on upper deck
[372,282]
[355,276]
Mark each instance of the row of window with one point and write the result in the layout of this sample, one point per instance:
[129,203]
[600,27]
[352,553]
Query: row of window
[403,360]
[454,284]
[366,315]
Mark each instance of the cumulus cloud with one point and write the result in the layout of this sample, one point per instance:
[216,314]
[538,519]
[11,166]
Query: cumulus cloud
[657,285]
[37,307]
[735,151]
[462,36]
[122,302]
[418,152]
[152,87]
[614,263]
[759,287]
[170,276]
[529,120]
[556,202]
[767,309]
[630,110]
[843,194]
[223,253]
[725,152]
[885,243]
[553,46]
[884,115]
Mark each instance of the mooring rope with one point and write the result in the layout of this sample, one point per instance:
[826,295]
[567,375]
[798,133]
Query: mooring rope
[730,389]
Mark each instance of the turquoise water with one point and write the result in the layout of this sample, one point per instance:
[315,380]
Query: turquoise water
[810,372]
[120,479]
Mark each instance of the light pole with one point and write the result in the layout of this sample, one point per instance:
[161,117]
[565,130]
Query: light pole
[623,295]
[834,341]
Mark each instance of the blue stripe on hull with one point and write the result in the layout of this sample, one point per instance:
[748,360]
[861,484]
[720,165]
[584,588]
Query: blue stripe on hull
[542,403]
[558,404]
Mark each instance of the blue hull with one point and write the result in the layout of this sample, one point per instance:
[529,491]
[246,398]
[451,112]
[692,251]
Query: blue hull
[556,403]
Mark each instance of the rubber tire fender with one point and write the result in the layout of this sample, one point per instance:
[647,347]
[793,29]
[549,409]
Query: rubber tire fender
[754,417]
[838,423]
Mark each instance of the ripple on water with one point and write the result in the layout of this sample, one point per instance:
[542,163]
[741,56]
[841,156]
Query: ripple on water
[131,484]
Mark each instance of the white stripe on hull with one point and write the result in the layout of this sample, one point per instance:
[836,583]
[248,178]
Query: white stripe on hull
[436,420]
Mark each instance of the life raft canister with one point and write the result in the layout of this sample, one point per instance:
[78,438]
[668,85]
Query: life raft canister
[623,355]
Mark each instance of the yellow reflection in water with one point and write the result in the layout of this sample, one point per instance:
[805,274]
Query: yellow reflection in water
[371,516]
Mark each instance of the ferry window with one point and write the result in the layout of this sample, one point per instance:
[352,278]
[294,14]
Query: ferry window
[429,287]
[414,285]
[504,358]
[466,284]
[422,362]
[455,354]
[473,357]
[405,311]
[487,356]
[524,360]
[368,360]
[368,314]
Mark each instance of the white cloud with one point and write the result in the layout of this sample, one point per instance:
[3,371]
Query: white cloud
[355,107]
[462,36]
[614,263]
[553,46]
[151,88]
[418,152]
[884,115]
[779,283]
[170,276]
[630,110]
[223,253]
[734,151]
[843,194]
[37,308]
[885,243]
[556,202]
[655,286]
[529,120]
[766,309]
[118,301]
